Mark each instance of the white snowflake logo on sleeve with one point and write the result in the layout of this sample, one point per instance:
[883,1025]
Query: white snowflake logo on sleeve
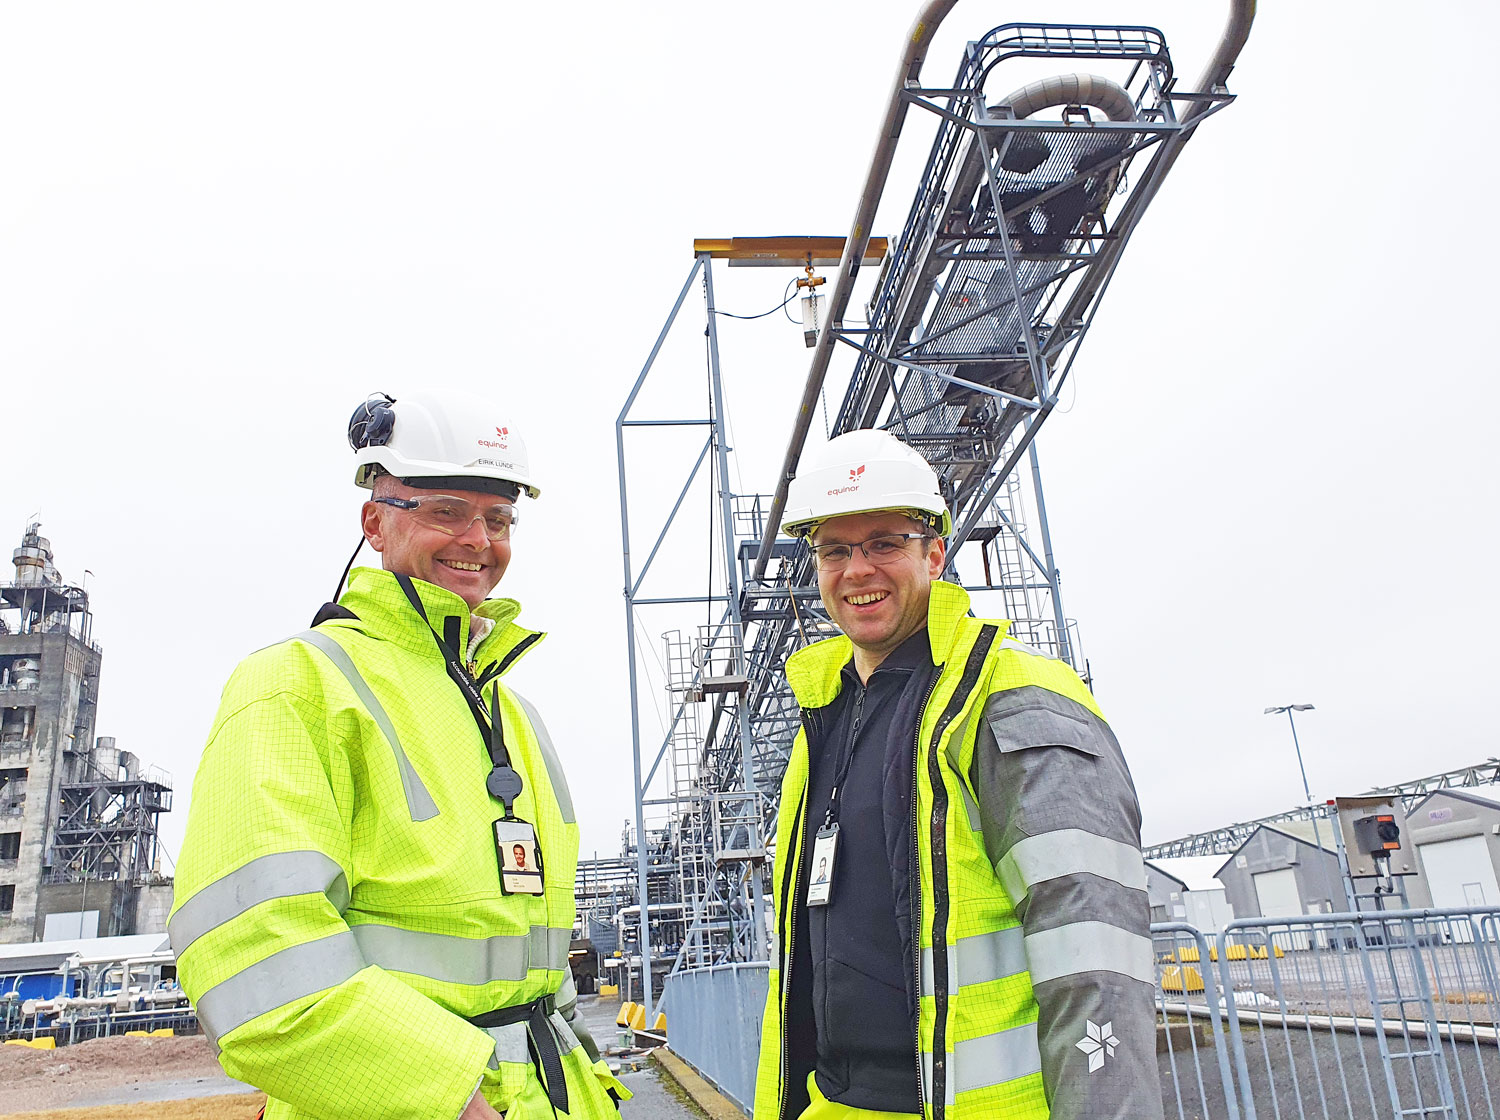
[1098,1043]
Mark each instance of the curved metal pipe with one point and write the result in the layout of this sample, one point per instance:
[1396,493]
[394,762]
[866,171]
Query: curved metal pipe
[1231,41]
[918,39]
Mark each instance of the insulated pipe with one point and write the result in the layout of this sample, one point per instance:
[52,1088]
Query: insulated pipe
[1236,32]
[918,39]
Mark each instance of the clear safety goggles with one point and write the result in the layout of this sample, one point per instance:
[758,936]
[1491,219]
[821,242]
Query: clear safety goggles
[453,516]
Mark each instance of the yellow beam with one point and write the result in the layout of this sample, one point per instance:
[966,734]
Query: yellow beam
[785,252]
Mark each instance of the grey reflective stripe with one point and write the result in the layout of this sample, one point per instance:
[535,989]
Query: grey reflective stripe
[510,1044]
[1022,647]
[418,801]
[567,1041]
[567,995]
[1089,947]
[283,977]
[549,756]
[1068,851]
[280,875]
[463,960]
[990,1059]
[977,960]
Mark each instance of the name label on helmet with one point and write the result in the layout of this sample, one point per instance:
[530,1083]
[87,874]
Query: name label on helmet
[501,463]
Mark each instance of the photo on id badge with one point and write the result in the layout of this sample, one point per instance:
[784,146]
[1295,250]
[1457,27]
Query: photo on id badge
[520,858]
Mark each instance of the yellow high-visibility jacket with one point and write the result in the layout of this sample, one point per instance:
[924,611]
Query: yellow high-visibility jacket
[338,910]
[1029,944]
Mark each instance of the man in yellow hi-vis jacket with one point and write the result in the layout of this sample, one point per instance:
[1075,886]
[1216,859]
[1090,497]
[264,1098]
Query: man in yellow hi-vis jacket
[353,921]
[975,940]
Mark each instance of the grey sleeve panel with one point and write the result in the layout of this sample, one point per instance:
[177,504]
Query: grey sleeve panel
[567,1007]
[1097,1034]
[418,801]
[1084,898]
[549,756]
[1044,763]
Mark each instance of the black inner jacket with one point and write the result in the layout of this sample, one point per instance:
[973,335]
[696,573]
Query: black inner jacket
[852,965]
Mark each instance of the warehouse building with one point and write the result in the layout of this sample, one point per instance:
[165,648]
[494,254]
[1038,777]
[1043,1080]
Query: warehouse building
[1456,836]
[1183,889]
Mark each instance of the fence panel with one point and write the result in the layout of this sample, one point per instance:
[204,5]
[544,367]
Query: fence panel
[713,1022]
[1363,1015]
[1192,1048]
[1370,1016]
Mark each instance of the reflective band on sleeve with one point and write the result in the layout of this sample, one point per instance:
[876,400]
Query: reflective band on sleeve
[990,1059]
[295,972]
[1068,851]
[279,875]
[463,960]
[418,801]
[549,756]
[1089,947]
[567,995]
[976,960]
[510,1044]
[1022,647]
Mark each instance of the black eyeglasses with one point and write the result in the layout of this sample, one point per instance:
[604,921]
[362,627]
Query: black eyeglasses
[884,549]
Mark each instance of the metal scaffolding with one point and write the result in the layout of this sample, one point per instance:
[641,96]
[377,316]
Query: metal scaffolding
[1024,206]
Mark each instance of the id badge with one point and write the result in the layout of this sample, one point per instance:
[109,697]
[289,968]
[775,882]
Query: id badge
[520,857]
[825,849]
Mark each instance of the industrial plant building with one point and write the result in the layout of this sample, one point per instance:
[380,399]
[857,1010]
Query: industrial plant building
[79,846]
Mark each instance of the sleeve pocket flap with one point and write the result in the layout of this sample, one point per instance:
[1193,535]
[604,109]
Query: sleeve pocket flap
[1044,719]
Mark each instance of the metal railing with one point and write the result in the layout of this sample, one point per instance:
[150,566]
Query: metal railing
[1320,1017]
[714,1016]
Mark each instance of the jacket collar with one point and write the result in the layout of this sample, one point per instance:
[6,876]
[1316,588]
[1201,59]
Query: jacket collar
[814,672]
[384,612]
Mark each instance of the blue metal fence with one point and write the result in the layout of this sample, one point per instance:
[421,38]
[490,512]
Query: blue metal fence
[714,1022]
[1368,1016]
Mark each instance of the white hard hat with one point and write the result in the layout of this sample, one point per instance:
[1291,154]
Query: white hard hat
[454,441]
[865,471]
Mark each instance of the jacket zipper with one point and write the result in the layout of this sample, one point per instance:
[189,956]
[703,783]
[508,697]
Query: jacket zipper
[915,875]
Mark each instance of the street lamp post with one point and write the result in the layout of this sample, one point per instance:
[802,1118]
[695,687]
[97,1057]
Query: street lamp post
[1296,746]
[1289,709]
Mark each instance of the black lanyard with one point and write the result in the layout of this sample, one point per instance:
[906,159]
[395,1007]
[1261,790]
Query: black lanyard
[845,758]
[504,783]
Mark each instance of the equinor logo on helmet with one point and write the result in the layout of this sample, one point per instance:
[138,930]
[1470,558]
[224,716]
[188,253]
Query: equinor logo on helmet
[500,442]
[854,473]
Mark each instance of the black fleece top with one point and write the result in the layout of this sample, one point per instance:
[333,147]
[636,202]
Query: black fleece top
[863,1002]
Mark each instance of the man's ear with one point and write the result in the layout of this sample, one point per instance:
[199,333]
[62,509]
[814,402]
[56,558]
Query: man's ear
[369,521]
[937,557]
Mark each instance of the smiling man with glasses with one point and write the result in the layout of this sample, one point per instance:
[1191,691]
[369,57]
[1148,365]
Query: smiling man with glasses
[374,901]
[974,941]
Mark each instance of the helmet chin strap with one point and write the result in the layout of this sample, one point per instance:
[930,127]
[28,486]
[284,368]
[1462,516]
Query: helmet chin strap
[339,590]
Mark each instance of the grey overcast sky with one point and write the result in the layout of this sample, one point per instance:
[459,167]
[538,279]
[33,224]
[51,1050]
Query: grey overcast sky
[221,225]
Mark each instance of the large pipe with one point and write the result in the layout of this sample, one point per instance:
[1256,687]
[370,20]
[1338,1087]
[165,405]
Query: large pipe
[918,39]
[1236,32]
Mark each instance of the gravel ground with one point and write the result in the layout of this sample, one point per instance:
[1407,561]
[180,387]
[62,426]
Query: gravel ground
[1316,1074]
[112,1070]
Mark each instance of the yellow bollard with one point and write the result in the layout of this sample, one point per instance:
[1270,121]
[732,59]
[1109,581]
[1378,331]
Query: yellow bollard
[626,1010]
[48,1043]
[637,1017]
[660,1026]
